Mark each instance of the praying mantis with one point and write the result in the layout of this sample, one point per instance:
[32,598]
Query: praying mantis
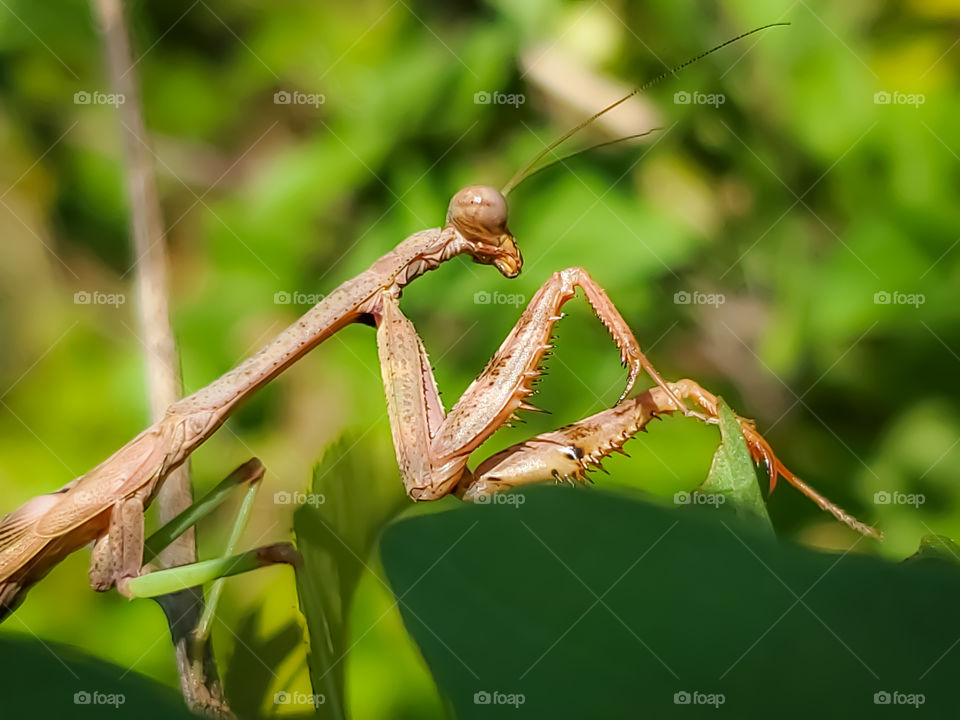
[106,505]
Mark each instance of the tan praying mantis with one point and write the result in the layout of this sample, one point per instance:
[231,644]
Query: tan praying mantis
[106,505]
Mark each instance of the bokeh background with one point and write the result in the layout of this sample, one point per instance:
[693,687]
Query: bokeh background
[790,237]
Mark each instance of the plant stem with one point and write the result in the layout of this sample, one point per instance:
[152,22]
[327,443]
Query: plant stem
[199,680]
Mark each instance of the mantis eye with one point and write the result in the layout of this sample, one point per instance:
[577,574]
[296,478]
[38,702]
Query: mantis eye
[479,212]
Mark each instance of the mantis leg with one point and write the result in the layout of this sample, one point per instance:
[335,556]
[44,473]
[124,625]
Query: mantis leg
[432,448]
[102,564]
[118,554]
[131,540]
[569,453]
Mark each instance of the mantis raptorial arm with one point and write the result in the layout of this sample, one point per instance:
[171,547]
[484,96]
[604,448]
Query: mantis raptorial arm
[568,454]
[432,448]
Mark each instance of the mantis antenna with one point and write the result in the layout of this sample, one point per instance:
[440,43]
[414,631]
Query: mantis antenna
[527,170]
[531,173]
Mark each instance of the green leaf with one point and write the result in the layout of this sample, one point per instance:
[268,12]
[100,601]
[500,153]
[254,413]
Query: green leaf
[936,547]
[592,605]
[46,679]
[733,475]
[354,493]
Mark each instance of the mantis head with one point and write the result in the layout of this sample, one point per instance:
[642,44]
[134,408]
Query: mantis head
[479,214]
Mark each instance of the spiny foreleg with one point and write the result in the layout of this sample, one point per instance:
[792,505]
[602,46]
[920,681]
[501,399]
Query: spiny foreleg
[569,453]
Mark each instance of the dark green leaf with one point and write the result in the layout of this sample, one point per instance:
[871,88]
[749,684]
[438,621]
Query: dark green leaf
[594,606]
[45,679]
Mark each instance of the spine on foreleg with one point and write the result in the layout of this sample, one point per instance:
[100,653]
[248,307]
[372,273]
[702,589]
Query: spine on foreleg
[567,454]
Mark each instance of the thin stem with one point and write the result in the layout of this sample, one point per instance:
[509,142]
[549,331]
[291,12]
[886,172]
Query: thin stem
[250,472]
[201,690]
[213,597]
[172,580]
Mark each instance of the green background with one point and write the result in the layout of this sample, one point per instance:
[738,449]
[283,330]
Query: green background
[798,199]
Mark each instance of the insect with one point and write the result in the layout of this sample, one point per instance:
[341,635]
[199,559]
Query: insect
[432,446]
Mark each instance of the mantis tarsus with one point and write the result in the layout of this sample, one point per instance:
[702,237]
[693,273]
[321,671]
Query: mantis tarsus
[432,446]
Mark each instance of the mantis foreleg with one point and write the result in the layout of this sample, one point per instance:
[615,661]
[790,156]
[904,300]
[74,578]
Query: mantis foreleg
[432,448]
[569,453]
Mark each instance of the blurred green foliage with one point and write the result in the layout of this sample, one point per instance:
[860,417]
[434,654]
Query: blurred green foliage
[798,199]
